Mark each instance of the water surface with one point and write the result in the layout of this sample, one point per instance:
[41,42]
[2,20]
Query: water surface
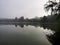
[27,35]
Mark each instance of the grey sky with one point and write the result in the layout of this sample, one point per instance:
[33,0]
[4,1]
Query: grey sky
[18,8]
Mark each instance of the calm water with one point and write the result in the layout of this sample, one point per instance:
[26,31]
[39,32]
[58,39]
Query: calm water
[27,35]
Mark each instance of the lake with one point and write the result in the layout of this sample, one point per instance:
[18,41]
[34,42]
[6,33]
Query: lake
[24,35]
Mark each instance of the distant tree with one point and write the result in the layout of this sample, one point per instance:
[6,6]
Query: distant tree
[21,18]
[16,19]
[26,20]
[44,19]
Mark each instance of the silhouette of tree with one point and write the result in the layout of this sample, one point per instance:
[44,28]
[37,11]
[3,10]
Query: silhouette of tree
[16,19]
[44,19]
[54,6]
[58,14]
[49,6]
[21,19]
[26,20]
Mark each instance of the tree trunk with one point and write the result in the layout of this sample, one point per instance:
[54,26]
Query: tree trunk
[51,10]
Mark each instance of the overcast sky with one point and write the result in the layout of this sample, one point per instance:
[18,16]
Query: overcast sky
[18,8]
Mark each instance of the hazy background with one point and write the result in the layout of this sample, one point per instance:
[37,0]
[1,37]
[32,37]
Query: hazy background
[18,8]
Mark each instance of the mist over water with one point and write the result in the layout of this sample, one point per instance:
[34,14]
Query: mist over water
[28,35]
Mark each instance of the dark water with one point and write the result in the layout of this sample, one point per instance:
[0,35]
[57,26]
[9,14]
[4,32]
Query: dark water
[27,35]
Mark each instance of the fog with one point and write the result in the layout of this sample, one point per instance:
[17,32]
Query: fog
[18,8]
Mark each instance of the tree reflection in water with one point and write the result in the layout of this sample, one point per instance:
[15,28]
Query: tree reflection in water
[21,25]
[53,38]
